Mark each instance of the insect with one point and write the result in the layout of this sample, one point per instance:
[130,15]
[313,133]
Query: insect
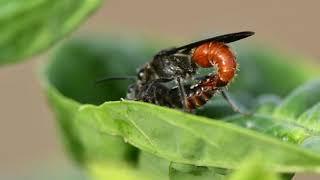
[180,64]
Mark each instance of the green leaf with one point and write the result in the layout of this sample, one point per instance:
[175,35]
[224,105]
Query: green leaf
[82,141]
[294,119]
[118,171]
[28,27]
[170,134]
[93,59]
[254,168]
[155,165]
[191,172]
[298,102]
[92,149]
[189,139]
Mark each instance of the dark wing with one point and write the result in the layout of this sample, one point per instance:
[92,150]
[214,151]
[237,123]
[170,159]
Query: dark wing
[226,38]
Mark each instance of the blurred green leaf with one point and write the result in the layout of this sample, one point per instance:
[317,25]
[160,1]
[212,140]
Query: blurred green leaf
[84,143]
[294,119]
[191,172]
[155,165]
[28,27]
[264,70]
[170,134]
[254,168]
[300,101]
[92,149]
[91,59]
[118,171]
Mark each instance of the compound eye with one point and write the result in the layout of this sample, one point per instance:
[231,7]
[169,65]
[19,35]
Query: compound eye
[141,74]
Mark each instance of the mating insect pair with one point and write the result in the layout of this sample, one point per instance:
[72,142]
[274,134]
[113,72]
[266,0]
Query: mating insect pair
[167,80]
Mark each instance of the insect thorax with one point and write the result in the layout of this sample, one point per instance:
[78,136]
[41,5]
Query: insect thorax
[173,66]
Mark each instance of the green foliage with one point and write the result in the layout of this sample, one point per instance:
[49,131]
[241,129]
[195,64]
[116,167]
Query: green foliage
[184,138]
[115,139]
[150,139]
[261,170]
[294,119]
[30,26]
[191,172]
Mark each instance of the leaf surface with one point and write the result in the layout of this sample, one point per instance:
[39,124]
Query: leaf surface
[28,27]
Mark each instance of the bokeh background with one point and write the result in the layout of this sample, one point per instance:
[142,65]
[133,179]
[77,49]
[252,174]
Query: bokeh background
[29,142]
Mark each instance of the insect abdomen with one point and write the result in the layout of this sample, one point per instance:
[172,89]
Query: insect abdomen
[198,100]
[219,54]
[201,93]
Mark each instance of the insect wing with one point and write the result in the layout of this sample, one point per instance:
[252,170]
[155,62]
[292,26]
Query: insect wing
[226,38]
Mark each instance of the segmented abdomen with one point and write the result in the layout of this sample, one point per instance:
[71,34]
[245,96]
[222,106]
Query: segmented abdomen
[218,54]
[201,93]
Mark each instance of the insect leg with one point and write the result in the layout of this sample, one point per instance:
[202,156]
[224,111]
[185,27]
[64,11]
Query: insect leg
[235,107]
[182,93]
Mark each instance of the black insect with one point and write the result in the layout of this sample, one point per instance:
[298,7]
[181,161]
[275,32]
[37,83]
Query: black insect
[180,64]
[167,80]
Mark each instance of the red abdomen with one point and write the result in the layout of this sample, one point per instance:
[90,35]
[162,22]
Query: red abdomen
[220,55]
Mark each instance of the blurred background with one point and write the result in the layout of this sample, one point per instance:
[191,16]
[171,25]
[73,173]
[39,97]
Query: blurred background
[28,136]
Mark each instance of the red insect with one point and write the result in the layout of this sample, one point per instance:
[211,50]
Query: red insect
[208,55]
[217,54]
